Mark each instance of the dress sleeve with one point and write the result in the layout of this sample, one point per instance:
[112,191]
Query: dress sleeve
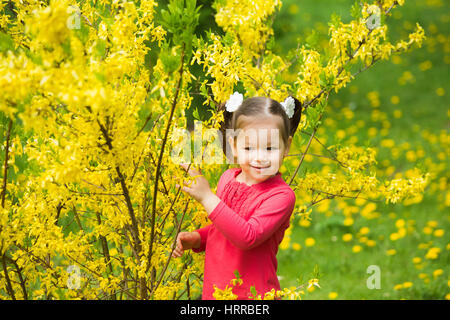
[204,231]
[267,218]
[203,238]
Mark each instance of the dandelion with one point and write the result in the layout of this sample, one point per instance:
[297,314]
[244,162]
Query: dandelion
[391,252]
[395,99]
[416,260]
[394,236]
[437,273]
[440,92]
[432,223]
[400,223]
[348,221]
[364,230]
[371,243]
[347,237]
[332,295]
[432,253]
[398,286]
[438,233]
[309,242]
[398,114]
[407,284]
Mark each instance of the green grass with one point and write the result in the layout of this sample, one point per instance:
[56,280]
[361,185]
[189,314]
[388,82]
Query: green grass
[423,124]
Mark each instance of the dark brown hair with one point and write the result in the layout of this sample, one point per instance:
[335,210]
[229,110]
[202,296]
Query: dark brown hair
[260,106]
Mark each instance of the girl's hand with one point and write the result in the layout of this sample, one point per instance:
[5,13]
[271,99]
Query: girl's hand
[199,188]
[186,241]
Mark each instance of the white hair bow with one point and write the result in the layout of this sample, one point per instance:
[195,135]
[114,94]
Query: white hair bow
[289,106]
[234,102]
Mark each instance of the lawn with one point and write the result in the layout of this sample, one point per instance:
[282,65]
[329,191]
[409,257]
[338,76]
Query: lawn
[401,109]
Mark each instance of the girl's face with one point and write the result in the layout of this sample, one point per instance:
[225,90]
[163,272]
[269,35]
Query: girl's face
[259,148]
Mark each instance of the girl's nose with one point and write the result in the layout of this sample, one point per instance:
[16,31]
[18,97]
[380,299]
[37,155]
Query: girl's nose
[261,157]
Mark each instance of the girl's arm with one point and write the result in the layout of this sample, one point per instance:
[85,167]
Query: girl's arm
[203,238]
[261,225]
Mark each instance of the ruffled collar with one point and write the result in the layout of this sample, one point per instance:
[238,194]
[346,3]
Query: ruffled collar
[259,186]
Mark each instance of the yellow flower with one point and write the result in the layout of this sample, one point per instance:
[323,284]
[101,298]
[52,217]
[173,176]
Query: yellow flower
[425,65]
[395,99]
[432,223]
[356,248]
[371,243]
[438,233]
[432,253]
[284,245]
[400,223]
[309,242]
[397,113]
[394,236]
[398,287]
[364,230]
[332,295]
[391,252]
[437,273]
[347,237]
[416,260]
[440,92]
[407,284]
[348,221]
[401,232]
[296,246]
[304,223]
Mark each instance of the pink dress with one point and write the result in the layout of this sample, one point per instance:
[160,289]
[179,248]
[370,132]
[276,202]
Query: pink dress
[247,226]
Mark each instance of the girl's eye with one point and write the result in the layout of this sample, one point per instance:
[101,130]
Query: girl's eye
[268,148]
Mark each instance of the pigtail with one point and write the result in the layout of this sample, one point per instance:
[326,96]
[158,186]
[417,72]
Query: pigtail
[295,120]
[226,124]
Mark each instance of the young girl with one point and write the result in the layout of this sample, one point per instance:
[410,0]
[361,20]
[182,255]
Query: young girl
[253,204]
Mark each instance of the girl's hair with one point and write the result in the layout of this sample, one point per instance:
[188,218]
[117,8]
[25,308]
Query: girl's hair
[260,106]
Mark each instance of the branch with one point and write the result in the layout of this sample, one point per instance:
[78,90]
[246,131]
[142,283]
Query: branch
[8,280]
[351,57]
[304,153]
[172,249]
[5,171]
[158,168]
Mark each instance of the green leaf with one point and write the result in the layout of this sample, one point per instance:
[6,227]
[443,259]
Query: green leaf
[6,42]
[195,114]
[335,20]
[355,11]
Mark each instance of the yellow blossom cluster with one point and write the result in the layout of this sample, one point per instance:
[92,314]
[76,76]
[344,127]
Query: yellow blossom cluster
[292,293]
[247,21]
[92,92]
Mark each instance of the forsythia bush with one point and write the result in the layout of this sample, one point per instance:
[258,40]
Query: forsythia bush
[92,92]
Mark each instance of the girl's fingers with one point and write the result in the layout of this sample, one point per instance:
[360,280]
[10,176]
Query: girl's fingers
[177,253]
